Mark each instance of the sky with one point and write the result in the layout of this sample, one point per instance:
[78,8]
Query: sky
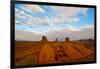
[55,22]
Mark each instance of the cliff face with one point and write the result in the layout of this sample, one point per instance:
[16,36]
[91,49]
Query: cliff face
[44,39]
[67,39]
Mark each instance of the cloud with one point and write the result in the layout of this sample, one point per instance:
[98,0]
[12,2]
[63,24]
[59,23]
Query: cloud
[60,34]
[67,14]
[24,18]
[58,15]
[72,33]
[36,8]
[22,12]
[48,21]
[69,11]
[27,36]
[30,8]
[83,34]
[62,18]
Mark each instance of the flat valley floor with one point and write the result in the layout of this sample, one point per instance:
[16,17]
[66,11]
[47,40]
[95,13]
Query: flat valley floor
[50,52]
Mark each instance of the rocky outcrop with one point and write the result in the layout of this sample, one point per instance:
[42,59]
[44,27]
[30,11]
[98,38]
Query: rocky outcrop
[67,39]
[44,39]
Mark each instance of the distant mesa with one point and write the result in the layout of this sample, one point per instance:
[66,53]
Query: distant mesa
[90,39]
[86,40]
[67,39]
[44,39]
[56,40]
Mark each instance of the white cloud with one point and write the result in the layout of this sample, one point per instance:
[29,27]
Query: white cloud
[67,14]
[69,11]
[27,36]
[85,33]
[25,9]
[30,20]
[62,14]
[19,11]
[62,18]
[30,8]
[60,34]
[36,8]
[72,33]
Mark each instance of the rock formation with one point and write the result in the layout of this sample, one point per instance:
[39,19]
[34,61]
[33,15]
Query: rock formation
[67,39]
[44,39]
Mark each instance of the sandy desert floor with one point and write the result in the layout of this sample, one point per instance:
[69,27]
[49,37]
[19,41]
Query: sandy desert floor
[30,53]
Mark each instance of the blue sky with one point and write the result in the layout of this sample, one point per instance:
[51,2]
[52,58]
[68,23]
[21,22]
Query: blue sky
[43,19]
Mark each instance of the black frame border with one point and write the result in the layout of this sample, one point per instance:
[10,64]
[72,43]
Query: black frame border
[12,32]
